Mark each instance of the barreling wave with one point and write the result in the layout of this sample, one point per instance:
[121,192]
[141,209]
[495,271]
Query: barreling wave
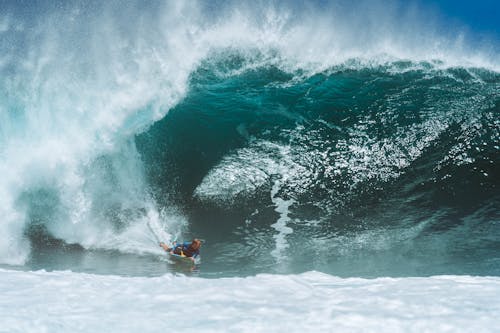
[299,126]
[397,160]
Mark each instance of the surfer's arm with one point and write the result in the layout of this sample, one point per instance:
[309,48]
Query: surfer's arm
[165,246]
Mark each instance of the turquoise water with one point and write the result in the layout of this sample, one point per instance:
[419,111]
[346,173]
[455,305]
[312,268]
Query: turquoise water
[386,171]
[371,151]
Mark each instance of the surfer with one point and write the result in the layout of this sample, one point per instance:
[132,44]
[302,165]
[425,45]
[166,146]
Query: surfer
[186,249]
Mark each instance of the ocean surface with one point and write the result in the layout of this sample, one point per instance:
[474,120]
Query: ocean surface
[340,163]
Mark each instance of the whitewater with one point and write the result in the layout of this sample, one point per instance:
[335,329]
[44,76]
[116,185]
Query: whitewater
[64,301]
[339,161]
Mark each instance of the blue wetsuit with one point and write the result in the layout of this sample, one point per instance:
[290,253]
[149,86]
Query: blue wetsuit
[186,249]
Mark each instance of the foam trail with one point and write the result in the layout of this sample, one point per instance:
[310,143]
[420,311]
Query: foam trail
[158,231]
[282,208]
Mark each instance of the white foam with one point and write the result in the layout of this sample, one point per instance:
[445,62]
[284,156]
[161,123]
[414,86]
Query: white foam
[297,166]
[282,208]
[70,302]
[73,98]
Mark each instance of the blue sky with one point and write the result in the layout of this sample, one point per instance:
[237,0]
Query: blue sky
[480,16]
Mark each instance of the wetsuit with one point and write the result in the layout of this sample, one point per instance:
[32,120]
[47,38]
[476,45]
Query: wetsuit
[186,249]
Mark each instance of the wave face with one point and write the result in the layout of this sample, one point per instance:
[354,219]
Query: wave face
[356,165]
[373,149]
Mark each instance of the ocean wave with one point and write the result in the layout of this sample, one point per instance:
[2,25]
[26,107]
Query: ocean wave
[113,120]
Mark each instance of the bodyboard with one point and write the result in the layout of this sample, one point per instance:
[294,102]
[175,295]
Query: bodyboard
[181,259]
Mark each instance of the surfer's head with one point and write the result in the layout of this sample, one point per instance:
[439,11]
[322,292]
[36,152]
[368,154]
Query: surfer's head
[196,244]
